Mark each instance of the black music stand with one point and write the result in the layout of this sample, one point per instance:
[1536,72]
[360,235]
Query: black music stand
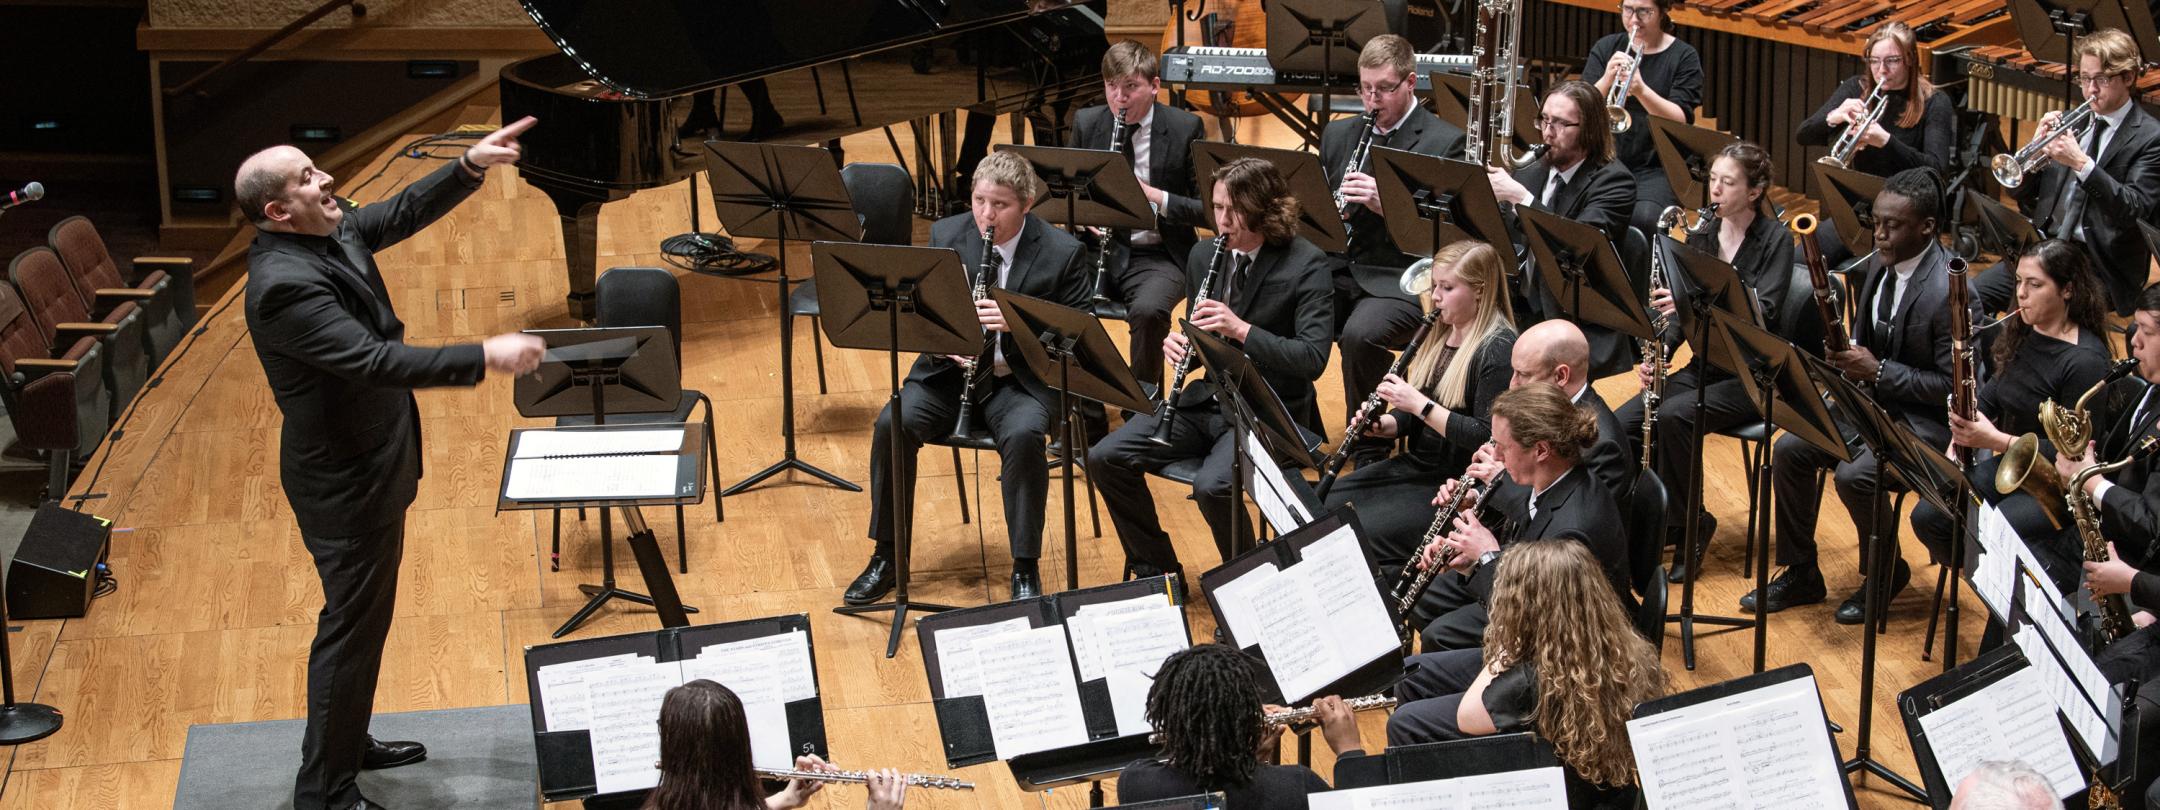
[773,191]
[1582,273]
[20,722]
[625,370]
[1702,286]
[1894,449]
[1051,336]
[1252,409]
[1776,381]
[923,295]
[2049,30]
[1685,151]
[1313,36]
[1432,202]
[1454,759]
[2152,237]
[1450,97]
[1098,186]
[2001,230]
[1848,198]
[1301,170]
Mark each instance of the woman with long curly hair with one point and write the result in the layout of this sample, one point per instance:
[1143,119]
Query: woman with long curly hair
[1442,403]
[1206,704]
[1560,659]
[705,759]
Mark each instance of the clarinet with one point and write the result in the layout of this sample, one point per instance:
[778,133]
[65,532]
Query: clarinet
[1168,408]
[972,366]
[1102,242]
[1411,582]
[1370,411]
[1356,163]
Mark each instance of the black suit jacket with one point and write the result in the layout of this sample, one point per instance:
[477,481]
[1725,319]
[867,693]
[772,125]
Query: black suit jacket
[1046,265]
[2130,514]
[1608,460]
[1765,265]
[2123,189]
[1601,195]
[1373,258]
[1575,508]
[1915,382]
[334,353]
[1171,134]
[1289,302]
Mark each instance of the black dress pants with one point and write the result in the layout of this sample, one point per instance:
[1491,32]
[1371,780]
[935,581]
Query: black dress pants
[1151,285]
[1120,462]
[1793,464]
[1452,615]
[1430,692]
[359,579]
[1369,329]
[1676,457]
[929,408]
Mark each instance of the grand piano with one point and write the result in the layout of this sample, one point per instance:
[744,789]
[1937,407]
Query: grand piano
[639,85]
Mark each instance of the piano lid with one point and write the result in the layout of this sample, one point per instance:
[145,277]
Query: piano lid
[658,48]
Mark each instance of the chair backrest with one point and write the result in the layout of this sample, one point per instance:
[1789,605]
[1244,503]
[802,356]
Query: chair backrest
[640,296]
[43,282]
[1646,531]
[19,335]
[83,251]
[1650,615]
[884,196]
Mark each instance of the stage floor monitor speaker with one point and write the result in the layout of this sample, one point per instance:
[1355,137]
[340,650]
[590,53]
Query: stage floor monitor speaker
[55,568]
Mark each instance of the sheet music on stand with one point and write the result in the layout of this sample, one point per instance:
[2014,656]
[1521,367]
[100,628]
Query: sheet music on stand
[1515,771]
[1052,672]
[1282,505]
[588,464]
[1989,708]
[596,702]
[1308,606]
[1760,740]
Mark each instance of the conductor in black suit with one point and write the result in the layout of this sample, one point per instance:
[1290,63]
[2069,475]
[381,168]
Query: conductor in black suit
[1540,437]
[349,454]
[1146,269]
[1031,258]
[2094,189]
[1269,294]
[1374,318]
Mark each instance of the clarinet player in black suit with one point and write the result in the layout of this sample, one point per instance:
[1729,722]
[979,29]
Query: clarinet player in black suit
[1373,316]
[334,351]
[2093,190]
[1901,353]
[1744,233]
[1146,269]
[1030,257]
[1271,296]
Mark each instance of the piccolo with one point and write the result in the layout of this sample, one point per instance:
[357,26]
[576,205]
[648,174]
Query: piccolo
[862,777]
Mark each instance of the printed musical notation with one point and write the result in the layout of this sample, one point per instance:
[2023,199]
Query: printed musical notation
[1531,789]
[1317,620]
[2011,718]
[1029,692]
[1763,748]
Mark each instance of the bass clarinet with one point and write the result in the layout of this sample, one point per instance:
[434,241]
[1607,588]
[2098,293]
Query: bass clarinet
[1168,408]
[977,367]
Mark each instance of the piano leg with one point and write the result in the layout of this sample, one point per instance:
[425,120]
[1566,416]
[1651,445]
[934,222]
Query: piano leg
[580,232]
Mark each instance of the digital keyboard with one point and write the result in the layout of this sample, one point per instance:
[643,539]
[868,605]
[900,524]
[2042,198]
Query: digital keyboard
[1215,68]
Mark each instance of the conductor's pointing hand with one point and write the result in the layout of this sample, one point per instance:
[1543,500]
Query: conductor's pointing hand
[500,147]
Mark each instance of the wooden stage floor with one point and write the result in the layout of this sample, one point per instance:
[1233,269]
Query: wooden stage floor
[217,598]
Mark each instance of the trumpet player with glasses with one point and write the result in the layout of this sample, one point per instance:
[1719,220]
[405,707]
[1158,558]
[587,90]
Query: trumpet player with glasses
[1641,72]
[1373,317]
[1885,120]
[2090,174]
[1739,228]
[1001,245]
[1262,287]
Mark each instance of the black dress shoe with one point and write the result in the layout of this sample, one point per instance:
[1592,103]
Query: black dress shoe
[1791,589]
[1854,609]
[1026,583]
[381,754]
[875,581]
[366,803]
[1706,527]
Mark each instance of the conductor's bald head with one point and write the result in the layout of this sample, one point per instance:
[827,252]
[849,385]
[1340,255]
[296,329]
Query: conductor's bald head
[1552,351]
[279,189]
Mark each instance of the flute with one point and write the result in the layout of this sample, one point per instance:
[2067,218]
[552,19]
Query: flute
[862,777]
[1276,721]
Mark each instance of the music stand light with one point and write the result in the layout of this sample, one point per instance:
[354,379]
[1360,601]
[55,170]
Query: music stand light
[1432,202]
[1319,224]
[1685,152]
[788,193]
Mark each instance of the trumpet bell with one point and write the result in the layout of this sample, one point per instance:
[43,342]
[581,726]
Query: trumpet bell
[2023,468]
[1417,278]
[1621,121]
[2007,171]
[1831,161]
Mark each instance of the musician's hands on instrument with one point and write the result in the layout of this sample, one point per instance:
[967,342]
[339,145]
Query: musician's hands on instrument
[1978,433]
[1875,136]
[1338,725]
[1360,188]
[500,148]
[799,791]
[1402,395]
[1216,316]
[1484,469]
[958,359]
[2071,467]
[1504,187]
[2109,578]
[1270,736]
[2067,152]
[990,316]
[1857,363]
[1643,374]
[1173,348]
[1619,62]
[1847,112]
[2141,618]
[888,790]
[1470,540]
[1383,427]
[1661,299]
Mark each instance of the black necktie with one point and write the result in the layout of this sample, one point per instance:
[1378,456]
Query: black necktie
[1125,144]
[1238,264]
[1886,300]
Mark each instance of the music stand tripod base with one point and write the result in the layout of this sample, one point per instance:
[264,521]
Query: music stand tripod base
[27,722]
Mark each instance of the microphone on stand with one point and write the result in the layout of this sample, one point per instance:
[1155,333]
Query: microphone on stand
[28,193]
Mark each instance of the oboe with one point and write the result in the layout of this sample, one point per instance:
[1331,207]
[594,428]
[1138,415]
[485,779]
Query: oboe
[862,777]
[972,366]
[1168,408]
[1370,411]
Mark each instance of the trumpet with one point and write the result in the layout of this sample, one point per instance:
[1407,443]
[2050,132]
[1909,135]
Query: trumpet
[1358,155]
[1416,279]
[1616,98]
[1168,408]
[862,777]
[974,366]
[1848,141]
[1276,721]
[2010,170]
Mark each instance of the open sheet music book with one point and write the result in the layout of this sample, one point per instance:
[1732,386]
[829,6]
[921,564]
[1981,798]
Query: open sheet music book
[1757,741]
[596,464]
[1990,708]
[1533,789]
[1309,603]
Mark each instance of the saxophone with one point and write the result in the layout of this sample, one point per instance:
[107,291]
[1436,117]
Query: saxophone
[2114,612]
[1168,408]
[975,368]
[1495,47]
